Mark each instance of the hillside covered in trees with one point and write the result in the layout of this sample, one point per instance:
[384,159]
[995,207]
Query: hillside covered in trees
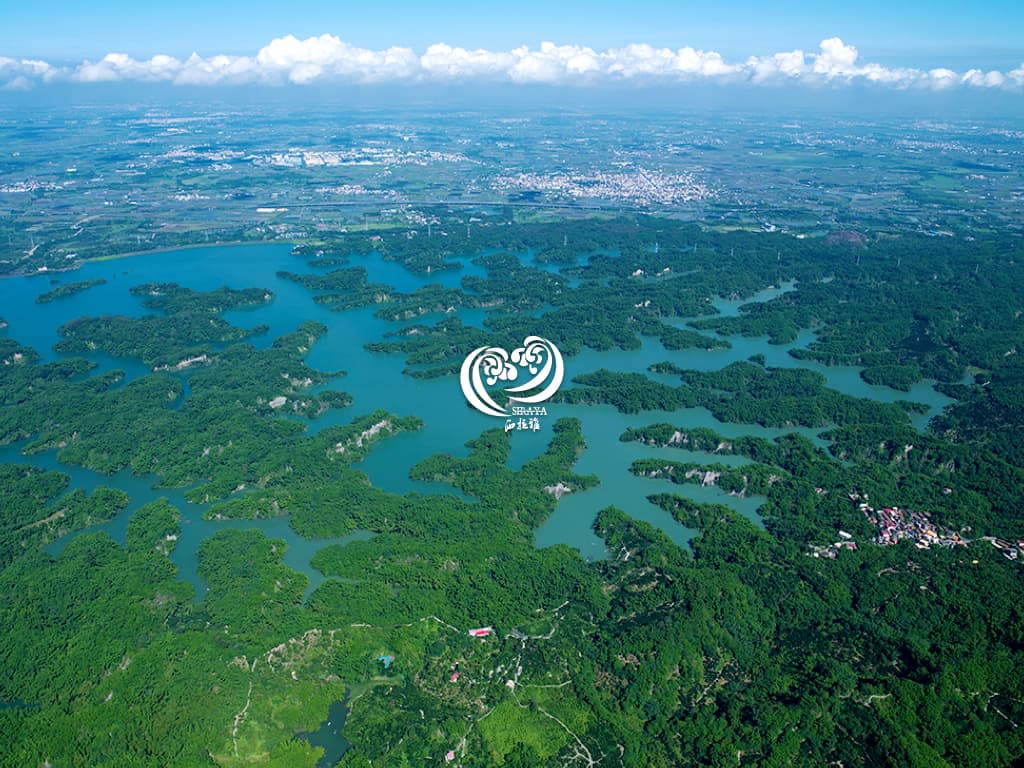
[872,615]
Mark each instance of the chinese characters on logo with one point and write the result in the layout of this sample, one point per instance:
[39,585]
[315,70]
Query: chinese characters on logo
[527,421]
[485,367]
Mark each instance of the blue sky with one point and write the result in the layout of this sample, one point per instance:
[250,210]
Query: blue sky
[938,45]
[917,33]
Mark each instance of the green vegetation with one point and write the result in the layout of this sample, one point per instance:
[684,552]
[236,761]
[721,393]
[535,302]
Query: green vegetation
[439,346]
[742,392]
[744,648]
[803,646]
[154,527]
[629,392]
[66,290]
[756,479]
[28,520]
[184,336]
[867,308]
[345,287]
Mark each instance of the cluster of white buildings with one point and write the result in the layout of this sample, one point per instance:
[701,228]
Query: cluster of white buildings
[355,190]
[362,156]
[637,186]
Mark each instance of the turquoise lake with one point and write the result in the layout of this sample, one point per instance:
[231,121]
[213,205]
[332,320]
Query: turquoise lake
[376,381]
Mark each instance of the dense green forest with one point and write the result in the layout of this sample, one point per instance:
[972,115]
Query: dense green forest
[744,648]
[68,289]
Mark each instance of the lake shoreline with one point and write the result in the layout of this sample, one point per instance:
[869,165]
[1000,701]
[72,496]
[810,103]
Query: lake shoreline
[153,251]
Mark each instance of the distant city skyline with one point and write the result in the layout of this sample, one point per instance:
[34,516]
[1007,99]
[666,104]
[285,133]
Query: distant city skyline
[936,45]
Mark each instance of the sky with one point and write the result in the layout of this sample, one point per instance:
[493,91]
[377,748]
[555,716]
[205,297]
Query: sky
[931,44]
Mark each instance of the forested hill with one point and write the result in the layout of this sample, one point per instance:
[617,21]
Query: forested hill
[872,614]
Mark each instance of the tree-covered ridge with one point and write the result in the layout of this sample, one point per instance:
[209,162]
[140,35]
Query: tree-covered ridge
[33,515]
[266,666]
[896,325]
[901,307]
[342,288]
[218,435]
[484,474]
[753,479]
[742,392]
[184,335]
[428,256]
[787,659]
[328,497]
[988,414]
[66,290]
[808,488]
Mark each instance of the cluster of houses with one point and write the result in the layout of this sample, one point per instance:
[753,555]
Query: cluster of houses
[642,186]
[895,525]
[1010,550]
[831,550]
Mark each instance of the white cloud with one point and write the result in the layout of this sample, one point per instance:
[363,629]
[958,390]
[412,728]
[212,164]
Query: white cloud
[976,77]
[836,59]
[18,83]
[645,61]
[552,63]
[327,56]
[941,79]
[777,66]
[329,59]
[217,70]
[23,74]
[443,61]
[120,66]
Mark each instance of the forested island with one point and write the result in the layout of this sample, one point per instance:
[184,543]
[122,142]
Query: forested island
[449,634]
[67,289]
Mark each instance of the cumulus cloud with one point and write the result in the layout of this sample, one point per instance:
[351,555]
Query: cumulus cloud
[23,74]
[942,78]
[836,59]
[329,59]
[779,66]
[120,66]
[216,70]
[976,77]
[444,62]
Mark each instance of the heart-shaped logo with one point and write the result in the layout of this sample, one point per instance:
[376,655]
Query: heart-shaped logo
[484,367]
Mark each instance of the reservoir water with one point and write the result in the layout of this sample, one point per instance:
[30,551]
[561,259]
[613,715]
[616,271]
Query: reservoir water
[328,735]
[377,381]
